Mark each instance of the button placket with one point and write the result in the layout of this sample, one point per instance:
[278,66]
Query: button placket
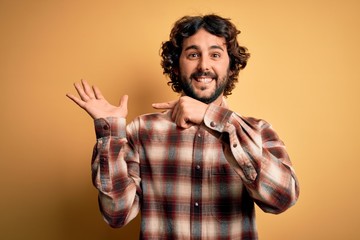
[196,181]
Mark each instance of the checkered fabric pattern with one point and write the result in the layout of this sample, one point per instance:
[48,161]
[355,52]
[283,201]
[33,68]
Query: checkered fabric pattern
[195,183]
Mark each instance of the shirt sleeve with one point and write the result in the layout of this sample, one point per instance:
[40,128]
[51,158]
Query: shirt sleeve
[115,172]
[257,154]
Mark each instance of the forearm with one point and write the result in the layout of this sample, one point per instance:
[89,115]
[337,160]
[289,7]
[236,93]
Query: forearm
[115,177]
[256,153]
[275,188]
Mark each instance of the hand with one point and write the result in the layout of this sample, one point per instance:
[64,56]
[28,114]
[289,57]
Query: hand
[93,102]
[186,111]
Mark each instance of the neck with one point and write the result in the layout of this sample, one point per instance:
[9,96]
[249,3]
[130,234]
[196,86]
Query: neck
[218,101]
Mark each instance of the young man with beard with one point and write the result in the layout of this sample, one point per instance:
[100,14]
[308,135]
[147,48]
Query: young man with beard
[195,170]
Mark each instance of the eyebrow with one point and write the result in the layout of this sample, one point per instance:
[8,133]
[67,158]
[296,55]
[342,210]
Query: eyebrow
[197,47]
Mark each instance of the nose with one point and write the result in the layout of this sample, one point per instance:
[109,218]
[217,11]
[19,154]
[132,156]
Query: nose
[204,64]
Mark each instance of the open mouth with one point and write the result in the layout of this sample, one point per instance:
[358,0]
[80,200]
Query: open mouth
[204,79]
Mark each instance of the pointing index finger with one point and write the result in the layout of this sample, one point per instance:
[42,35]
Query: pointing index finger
[165,105]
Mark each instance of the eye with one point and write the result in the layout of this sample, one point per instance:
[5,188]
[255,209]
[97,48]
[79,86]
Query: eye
[216,55]
[193,55]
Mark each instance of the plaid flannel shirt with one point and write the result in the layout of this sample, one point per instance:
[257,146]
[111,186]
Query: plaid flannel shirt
[195,183]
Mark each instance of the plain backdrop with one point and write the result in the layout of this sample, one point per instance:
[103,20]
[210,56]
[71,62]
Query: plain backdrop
[303,77]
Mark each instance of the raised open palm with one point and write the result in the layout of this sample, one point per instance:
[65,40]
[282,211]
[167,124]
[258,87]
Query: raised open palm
[94,103]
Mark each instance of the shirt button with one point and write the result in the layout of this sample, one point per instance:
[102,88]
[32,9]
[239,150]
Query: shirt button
[196,204]
[198,167]
[199,135]
[235,145]
[212,124]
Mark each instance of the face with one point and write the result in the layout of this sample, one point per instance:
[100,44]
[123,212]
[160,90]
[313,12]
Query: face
[204,66]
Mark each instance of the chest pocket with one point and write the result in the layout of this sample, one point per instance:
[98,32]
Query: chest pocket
[226,191]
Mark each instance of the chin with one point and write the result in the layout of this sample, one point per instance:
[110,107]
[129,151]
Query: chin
[205,95]
[206,99]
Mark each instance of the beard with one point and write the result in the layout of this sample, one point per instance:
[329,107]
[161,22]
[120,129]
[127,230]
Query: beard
[190,91]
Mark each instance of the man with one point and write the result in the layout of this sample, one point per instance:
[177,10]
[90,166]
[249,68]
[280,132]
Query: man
[196,169]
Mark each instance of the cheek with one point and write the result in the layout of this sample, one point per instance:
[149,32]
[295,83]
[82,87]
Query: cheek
[186,68]
[224,68]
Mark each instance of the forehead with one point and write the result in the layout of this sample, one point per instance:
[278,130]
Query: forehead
[204,40]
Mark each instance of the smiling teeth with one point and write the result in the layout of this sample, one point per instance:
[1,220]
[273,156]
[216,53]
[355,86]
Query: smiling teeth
[204,80]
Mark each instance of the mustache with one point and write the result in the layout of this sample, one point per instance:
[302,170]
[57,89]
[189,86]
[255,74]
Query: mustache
[198,74]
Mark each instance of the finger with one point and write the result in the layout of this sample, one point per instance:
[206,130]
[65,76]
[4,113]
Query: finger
[177,116]
[80,90]
[123,106]
[124,101]
[97,92]
[165,105]
[88,90]
[76,100]
[175,112]
[183,123]
[187,125]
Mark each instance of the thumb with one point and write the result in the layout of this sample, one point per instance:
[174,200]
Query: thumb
[124,101]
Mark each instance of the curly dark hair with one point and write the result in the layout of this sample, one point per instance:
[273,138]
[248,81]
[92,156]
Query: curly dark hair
[188,26]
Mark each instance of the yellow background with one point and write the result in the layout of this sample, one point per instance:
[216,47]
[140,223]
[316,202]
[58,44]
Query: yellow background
[303,77]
